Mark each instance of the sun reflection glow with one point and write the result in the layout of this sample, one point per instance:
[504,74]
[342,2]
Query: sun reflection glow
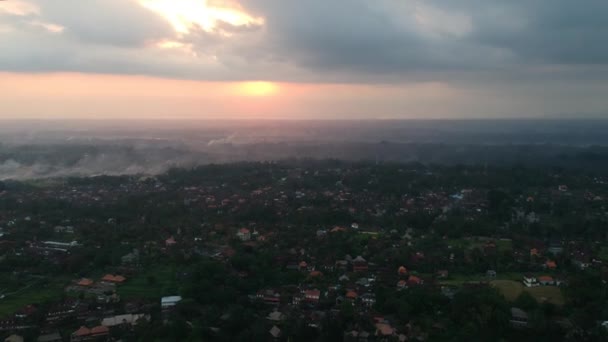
[257,88]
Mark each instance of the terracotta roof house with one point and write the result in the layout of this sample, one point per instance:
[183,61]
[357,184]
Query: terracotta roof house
[384,329]
[352,295]
[402,270]
[312,295]
[84,282]
[315,274]
[337,229]
[81,333]
[170,241]
[100,331]
[551,264]
[413,280]
[110,278]
[546,280]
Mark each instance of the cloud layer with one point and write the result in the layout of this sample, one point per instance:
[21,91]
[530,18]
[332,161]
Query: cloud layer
[313,40]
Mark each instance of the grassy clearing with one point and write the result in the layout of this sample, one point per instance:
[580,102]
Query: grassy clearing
[512,289]
[551,294]
[141,286]
[38,293]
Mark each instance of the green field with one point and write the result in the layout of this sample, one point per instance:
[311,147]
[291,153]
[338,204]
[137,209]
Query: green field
[512,289]
[37,293]
[163,283]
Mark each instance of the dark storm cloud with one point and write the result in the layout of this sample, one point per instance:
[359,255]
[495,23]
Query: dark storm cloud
[369,36]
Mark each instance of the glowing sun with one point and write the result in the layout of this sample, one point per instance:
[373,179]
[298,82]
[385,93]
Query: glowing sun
[258,88]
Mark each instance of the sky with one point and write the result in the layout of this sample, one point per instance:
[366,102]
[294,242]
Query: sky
[313,59]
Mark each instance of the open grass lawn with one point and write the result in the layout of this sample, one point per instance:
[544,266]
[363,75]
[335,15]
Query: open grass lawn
[151,284]
[38,293]
[509,288]
[551,294]
[512,289]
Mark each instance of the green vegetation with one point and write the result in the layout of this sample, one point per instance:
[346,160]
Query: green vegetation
[151,284]
[513,289]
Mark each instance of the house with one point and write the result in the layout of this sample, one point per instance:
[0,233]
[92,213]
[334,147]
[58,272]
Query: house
[351,295]
[360,264]
[275,332]
[129,319]
[368,299]
[269,297]
[275,316]
[244,234]
[534,252]
[337,229]
[530,280]
[54,337]
[315,274]
[413,280]
[170,301]
[519,318]
[402,271]
[110,278]
[546,280]
[303,265]
[491,274]
[14,338]
[312,295]
[93,334]
[84,282]
[344,278]
[550,264]
[555,248]
[130,258]
[384,330]
[401,284]
[170,241]
[341,264]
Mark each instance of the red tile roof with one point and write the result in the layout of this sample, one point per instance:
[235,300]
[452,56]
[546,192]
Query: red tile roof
[100,330]
[85,282]
[113,278]
[83,331]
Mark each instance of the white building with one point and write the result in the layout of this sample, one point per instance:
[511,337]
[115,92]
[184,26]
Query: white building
[244,234]
[530,281]
[167,302]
